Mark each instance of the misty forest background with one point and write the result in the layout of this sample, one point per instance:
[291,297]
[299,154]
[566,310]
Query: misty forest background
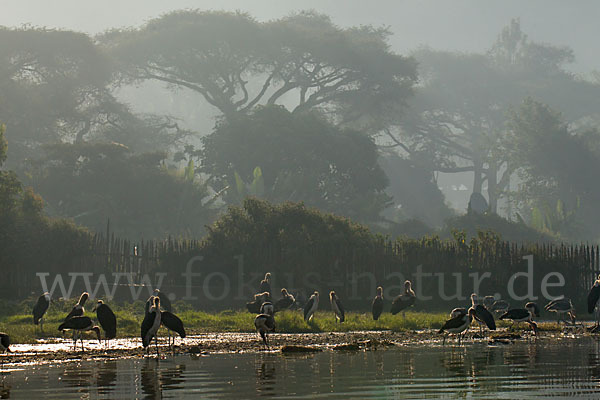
[294,110]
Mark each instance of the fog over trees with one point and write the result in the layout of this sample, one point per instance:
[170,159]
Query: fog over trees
[162,124]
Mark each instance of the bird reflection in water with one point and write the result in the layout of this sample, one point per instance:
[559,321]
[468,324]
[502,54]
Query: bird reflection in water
[155,380]
[149,379]
[265,376]
[107,376]
[78,376]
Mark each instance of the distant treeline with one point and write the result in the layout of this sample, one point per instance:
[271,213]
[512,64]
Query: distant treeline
[305,250]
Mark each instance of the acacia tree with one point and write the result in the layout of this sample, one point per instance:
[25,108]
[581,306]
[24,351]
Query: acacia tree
[458,123]
[55,87]
[236,63]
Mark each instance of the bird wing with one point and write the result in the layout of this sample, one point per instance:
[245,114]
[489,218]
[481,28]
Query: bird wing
[283,303]
[402,302]
[146,325]
[75,312]
[172,322]
[340,308]
[483,315]
[377,307]
[593,297]
[40,308]
[107,320]
[453,323]
[77,322]
[515,313]
[308,306]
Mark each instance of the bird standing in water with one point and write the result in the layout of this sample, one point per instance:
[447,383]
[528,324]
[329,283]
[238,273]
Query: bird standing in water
[151,324]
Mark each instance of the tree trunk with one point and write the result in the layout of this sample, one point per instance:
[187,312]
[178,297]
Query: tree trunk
[492,178]
[478,176]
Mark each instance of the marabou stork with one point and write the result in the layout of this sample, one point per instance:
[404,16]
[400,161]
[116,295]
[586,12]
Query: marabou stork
[592,299]
[264,324]
[336,306]
[265,284]
[79,324]
[107,319]
[523,315]
[40,308]
[377,304]
[285,302]
[482,315]
[150,325]
[560,307]
[405,300]
[458,324]
[311,306]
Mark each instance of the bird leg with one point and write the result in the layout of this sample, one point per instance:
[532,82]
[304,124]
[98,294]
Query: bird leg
[156,344]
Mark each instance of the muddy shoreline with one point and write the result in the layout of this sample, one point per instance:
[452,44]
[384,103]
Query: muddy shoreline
[61,350]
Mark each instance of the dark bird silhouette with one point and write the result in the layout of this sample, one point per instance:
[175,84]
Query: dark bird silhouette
[79,324]
[336,306]
[522,315]
[107,319]
[405,300]
[535,310]
[165,303]
[265,284]
[592,299]
[151,324]
[483,317]
[561,307]
[259,298]
[40,308]
[285,302]
[78,310]
[311,306]
[4,342]
[458,324]
[173,324]
[264,324]
[377,304]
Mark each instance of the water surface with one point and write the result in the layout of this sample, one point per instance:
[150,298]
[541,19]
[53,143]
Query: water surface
[559,368]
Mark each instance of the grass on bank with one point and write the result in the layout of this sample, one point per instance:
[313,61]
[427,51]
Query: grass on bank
[17,321]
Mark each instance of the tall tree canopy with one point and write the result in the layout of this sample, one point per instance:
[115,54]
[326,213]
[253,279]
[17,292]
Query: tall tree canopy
[236,63]
[56,87]
[301,157]
[558,169]
[458,115]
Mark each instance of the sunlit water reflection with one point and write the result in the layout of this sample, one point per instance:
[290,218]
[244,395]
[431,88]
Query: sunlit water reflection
[543,368]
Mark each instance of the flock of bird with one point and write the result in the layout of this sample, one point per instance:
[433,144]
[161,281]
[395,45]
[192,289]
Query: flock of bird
[158,313]
[458,323]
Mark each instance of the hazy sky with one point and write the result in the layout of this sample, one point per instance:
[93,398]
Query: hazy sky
[465,25]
